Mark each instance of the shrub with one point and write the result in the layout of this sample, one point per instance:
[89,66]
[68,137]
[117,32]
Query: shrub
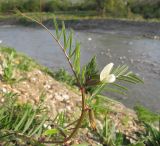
[31,6]
[54,5]
[10,5]
[147,10]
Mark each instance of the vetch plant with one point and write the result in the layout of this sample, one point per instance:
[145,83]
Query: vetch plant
[87,79]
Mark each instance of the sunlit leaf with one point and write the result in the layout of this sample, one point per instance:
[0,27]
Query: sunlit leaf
[50,132]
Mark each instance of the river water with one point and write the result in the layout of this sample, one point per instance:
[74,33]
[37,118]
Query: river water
[140,53]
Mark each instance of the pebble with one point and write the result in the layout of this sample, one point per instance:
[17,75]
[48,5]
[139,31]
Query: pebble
[131,60]
[62,97]
[121,58]
[58,97]
[122,62]
[130,43]
[102,53]
[156,37]
[2,100]
[68,108]
[33,79]
[153,64]
[4,90]
[47,126]
[61,110]
[89,39]
[47,86]
[65,97]
[109,55]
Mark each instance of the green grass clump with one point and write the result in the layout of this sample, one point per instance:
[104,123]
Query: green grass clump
[21,61]
[13,64]
[20,124]
[63,76]
[145,115]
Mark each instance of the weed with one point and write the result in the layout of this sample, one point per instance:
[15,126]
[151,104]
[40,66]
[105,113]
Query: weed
[109,136]
[88,80]
[8,69]
[63,76]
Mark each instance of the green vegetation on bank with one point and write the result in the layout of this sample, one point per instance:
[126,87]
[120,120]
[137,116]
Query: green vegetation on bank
[86,9]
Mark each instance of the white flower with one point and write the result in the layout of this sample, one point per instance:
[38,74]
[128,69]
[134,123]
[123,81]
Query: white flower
[0,41]
[105,75]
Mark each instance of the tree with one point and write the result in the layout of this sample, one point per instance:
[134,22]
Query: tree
[101,6]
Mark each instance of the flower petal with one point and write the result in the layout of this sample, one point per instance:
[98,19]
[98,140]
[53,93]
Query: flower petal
[106,71]
[111,78]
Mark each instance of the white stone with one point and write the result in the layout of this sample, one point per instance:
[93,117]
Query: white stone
[130,43]
[2,100]
[4,90]
[68,108]
[102,53]
[33,79]
[65,97]
[121,58]
[89,39]
[58,97]
[131,60]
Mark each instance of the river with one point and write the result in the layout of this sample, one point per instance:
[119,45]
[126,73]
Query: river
[140,53]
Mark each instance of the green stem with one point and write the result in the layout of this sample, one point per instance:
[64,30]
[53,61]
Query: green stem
[62,48]
[77,79]
[81,117]
[159,123]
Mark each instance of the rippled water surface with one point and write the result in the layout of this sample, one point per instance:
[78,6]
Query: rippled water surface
[141,54]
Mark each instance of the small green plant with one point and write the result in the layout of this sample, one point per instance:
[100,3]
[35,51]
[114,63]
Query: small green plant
[9,69]
[87,78]
[63,76]
[145,115]
[152,135]
[108,134]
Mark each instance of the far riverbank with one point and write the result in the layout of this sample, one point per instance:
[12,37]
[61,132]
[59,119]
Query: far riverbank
[149,29]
